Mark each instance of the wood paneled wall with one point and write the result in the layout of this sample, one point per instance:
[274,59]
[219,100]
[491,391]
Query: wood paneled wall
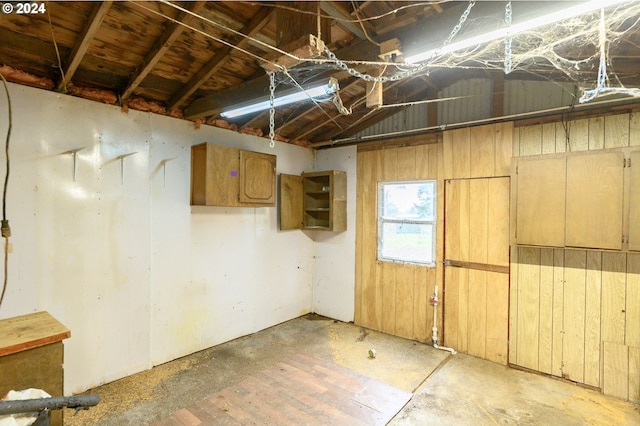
[394,297]
[576,313]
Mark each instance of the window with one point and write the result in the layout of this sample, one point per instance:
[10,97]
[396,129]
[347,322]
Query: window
[407,222]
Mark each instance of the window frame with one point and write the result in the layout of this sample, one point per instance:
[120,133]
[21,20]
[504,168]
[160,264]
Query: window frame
[381,221]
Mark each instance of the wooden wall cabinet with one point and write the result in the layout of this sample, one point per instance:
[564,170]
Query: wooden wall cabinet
[232,177]
[579,200]
[314,201]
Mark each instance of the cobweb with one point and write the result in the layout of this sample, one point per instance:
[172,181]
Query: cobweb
[582,49]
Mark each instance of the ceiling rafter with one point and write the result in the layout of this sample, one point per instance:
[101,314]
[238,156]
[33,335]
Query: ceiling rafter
[358,103]
[162,45]
[379,115]
[309,110]
[298,116]
[343,18]
[261,18]
[75,58]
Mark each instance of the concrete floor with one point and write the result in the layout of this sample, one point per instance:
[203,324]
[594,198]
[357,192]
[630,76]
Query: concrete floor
[448,390]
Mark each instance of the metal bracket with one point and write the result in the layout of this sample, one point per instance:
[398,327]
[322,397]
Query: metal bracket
[74,154]
[121,158]
[163,164]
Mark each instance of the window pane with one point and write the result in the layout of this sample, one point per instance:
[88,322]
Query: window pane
[409,201]
[408,242]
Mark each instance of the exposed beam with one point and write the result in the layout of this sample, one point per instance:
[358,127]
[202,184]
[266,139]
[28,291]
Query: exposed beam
[288,123]
[75,58]
[379,115]
[257,118]
[342,18]
[308,131]
[436,6]
[355,105]
[219,59]
[162,45]
[213,104]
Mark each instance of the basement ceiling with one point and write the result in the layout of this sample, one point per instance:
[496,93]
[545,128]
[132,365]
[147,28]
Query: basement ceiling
[195,59]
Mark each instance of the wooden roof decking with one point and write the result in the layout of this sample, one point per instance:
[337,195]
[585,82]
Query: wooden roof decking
[170,57]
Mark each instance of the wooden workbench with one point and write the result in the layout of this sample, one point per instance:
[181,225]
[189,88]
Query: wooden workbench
[31,355]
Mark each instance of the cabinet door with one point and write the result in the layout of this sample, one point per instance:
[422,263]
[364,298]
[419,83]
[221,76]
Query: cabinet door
[257,178]
[634,202]
[540,203]
[291,211]
[214,175]
[339,201]
[595,200]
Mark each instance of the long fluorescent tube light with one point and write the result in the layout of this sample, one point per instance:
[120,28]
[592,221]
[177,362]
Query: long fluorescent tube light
[530,24]
[312,92]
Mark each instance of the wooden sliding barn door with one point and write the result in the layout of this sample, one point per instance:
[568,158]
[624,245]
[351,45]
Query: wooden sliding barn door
[476,279]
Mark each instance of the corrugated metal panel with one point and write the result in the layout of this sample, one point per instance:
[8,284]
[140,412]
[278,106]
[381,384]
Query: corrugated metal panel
[527,96]
[408,119]
[474,101]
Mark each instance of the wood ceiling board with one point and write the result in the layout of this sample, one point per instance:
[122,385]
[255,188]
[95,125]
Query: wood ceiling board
[128,37]
[99,12]
[66,26]
[141,17]
[29,53]
[99,80]
[213,103]
[161,46]
[338,11]
[230,14]
[156,88]
[257,22]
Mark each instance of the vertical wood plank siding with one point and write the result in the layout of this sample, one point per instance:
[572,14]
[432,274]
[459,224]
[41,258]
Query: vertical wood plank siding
[576,313]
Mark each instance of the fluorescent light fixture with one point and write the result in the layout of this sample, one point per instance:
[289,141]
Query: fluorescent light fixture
[530,24]
[311,92]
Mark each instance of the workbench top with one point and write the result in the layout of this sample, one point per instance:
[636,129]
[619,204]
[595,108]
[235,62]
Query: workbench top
[30,331]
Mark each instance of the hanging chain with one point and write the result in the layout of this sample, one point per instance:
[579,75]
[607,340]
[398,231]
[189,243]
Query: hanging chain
[272,109]
[507,42]
[458,26]
[404,74]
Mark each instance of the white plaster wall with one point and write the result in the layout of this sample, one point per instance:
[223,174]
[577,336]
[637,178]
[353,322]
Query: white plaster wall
[120,257]
[334,278]
[219,273]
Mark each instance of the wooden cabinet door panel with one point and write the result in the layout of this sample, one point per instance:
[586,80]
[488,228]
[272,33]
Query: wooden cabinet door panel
[257,178]
[540,204]
[595,200]
[291,211]
[634,202]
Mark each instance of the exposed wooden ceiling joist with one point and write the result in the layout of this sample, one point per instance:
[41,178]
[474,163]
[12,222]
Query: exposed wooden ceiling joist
[416,93]
[259,20]
[93,24]
[163,44]
[342,18]
[213,104]
[309,110]
[149,52]
[308,131]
